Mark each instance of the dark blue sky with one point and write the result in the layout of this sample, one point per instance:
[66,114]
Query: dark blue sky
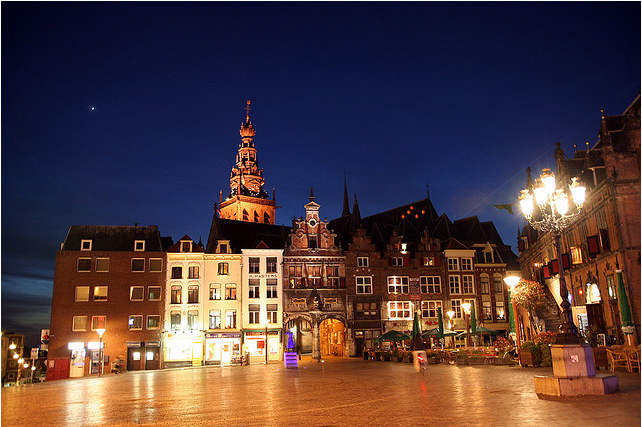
[459,96]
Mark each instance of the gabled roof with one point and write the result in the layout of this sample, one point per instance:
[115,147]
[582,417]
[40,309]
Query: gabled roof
[470,229]
[246,235]
[177,246]
[444,229]
[113,238]
[453,243]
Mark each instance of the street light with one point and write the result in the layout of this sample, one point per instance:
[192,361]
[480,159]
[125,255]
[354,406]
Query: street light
[451,314]
[266,340]
[512,281]
[100,350]
[547,209]
[466,306]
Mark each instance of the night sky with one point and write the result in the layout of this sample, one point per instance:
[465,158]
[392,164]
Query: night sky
[124,113]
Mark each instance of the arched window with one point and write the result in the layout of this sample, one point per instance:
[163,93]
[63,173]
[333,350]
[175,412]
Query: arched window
[266,218]
[246,216]
[256,216]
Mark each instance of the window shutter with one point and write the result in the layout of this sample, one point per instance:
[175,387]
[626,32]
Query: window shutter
[438,261]
[546,271]
[521,246]
[342,282]
[593,246]
[554,267]
[389,260]
[406,260]
[566,261]
[604,238]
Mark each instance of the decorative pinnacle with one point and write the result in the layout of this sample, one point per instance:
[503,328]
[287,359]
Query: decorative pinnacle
[602,113]
[247,112]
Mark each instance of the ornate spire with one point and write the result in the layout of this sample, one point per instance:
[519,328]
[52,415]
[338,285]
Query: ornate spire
[311,195]
[346,206]
[247,130]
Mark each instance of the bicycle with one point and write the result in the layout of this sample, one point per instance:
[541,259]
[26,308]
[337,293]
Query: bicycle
[420,361]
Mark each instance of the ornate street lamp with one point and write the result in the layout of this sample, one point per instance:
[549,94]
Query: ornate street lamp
[551,209]
[100,350]
[512,281]
[466,306]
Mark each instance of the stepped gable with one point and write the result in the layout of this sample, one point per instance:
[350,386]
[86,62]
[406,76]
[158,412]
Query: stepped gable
[113,238]
[246,235]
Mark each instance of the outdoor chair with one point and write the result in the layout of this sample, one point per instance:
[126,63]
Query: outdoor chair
[617,358]
[632,359]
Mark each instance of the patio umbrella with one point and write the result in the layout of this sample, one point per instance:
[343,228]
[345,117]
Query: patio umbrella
[440,320]
[392,336]
[435,332]
[416,327]
[484,331]
[625,308]
[473,319]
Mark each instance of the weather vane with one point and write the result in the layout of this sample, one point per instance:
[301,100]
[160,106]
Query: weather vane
[247,110]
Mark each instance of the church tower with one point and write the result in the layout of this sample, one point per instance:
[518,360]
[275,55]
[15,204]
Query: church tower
[248,201]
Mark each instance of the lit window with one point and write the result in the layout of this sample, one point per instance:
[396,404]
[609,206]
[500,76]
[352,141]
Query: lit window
[430,284]
[430,308]
[215,291]
[192,294]
[136,293]
[153,321]
[192,320]
[82,293]
[135,322]
[499,310]
[453,264]
[576,254]
[255,265]
[230,291]
[98,322]
[223,269]
[215,319]
[610,285]
[454,283]
[467,264]
[468,284]
[138,264]
[100,293]
[363,261]
[102,265]
[175,319]
[176,296]
[364,284]
[230,319]
[270,264]
[398,285]
[399,310]
[193,272]
[314,276]
[487,310]
[254,313]
[429,261]
[84,264]
[271,288]
[79,323]
[272,311]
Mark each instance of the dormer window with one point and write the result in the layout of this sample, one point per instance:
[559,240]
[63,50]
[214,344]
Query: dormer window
[223,248]
[488,257]
[312,242]
[139,245]
[186,246]
[85,245]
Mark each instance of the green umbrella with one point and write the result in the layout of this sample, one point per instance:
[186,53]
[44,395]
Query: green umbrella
[473,318]
[436,333]
[393,336]
[416,327]
[625,310]
[484,331]
[440,319]
[511,315]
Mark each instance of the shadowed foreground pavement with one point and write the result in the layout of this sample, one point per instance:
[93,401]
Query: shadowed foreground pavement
[336,392]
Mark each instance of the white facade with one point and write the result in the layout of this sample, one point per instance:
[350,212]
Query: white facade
[261,296]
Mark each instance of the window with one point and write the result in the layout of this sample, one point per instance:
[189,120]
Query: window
[576,254]
[176,294]
[256,216]
[102,265]
[270,265]
[499,309]
[266,218]
[312,242]
[429,261]
[135,322]
[610,285]
[272,310]
[154,293]
[430,284]
[397,261]
[399,310]
[398,285]
[230,291]
[255,265]
[215,319]
[487,310]
[175,319]
[98,322]
[453,264]
[314,276]
[364,284]
[100,293]
[155,265]
[271,288]
[138,264]
[455,305]
[223,269]
[136,293]
[192,294]
[246,216]
[215,291]
[430,308]
[295,276]
[254,288]
[79,323]
[485,284]
[186,246]
[468,284]
[84,264]
[139,245]
[363,261]
[82,293]
[332,273]
[467,264]
[254,311]
[177,272]
[498,284]
[193,271]
[488,257]
[366,310]
[192,320]
[230,319]
[85,245]
[153,321]
[223,248]
[455,286]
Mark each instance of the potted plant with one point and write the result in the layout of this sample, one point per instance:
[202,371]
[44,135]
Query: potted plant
[433,357]
[396,355]
[530,354]
[406,356]
[600,358]
[386,356]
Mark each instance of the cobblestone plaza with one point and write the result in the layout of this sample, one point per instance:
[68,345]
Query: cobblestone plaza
[336,391]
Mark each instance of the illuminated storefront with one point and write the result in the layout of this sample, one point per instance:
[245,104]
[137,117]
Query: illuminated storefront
[222,348]
[183,348]
[255,345]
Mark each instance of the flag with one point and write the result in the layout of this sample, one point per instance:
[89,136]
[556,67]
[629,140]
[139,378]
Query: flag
[508,207]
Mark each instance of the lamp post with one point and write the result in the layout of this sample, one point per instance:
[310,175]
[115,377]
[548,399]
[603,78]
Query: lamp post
[451,314]
[100,350]
[466,307]
[266,340]
[512,281]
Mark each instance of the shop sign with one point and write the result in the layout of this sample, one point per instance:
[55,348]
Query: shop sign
[76,346]
[414,289]
[94,345]
[263,276]
[152,343]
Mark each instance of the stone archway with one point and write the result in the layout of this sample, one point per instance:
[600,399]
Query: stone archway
[333,336]
[303,326]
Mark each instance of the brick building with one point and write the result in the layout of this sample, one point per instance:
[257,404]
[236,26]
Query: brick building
[112,278]
[604,238]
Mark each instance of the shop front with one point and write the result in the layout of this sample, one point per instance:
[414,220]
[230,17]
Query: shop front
[183,348]
[77,360]
[255,345]
[222,348]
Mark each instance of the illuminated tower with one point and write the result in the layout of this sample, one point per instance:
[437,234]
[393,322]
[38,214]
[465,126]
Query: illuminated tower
[248,201]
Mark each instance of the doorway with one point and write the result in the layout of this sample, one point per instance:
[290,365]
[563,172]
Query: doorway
[301,334]
[134,359]
[332,336]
